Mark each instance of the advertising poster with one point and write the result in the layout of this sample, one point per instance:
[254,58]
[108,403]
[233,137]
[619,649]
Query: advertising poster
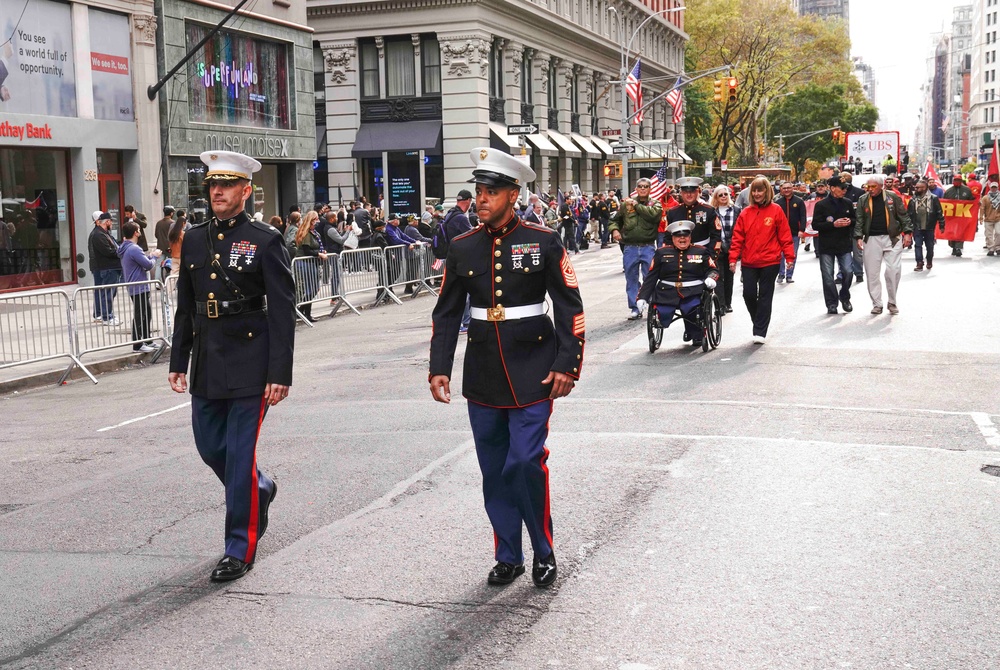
[36,65]
[236,80]
[110,64]
[404,184]
[871,149]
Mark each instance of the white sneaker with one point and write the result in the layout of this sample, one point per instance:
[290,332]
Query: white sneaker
[113,321]
[146,348]
[758,339]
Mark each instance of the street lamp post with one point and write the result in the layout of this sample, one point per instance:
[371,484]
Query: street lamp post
[767,103]
[623,141]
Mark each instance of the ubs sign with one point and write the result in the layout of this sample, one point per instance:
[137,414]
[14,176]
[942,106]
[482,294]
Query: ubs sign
[251,145]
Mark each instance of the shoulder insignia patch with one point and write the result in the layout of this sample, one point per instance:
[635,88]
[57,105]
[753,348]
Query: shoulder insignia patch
[569,275]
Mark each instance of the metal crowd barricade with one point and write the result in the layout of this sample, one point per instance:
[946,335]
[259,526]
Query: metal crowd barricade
[432,269]
[317,281]
[104,317]
[364,271]
[37,326]
[402,268]
[169,303]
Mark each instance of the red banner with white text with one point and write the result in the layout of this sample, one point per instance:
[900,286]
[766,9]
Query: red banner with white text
[960,218]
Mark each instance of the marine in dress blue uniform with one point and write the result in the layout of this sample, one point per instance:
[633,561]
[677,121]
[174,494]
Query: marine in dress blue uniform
[517,361]
[678,275]
[707,226]
[235,325]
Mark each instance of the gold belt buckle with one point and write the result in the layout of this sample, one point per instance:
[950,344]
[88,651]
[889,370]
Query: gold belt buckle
[212,307]
[679,284]
[496,313]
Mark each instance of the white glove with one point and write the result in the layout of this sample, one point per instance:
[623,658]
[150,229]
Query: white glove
[641,305]
[710,283]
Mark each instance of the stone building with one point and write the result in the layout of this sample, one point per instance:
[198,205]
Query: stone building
[406,89]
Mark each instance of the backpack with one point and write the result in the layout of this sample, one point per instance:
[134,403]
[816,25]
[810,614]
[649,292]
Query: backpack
[439,240]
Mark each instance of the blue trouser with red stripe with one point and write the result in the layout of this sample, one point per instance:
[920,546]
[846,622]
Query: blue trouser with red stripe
[225,432]
[510,444]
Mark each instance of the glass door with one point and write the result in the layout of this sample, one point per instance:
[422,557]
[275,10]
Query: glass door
[111,200]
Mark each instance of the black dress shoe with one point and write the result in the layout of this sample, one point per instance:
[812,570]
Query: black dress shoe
[230,568]
[505,573]
[543,572]
[265,505]
[697,342]
[848,307]
[831,310]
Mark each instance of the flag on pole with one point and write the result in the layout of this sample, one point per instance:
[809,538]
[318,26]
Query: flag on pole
[993,173]
[676,100]
[633,88]
[37,203]
[657,185]
[930,172]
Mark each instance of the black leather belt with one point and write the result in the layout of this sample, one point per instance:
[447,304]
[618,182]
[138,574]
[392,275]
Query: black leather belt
[216,308]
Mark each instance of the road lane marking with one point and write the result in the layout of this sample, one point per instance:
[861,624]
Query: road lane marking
[987,428]
[143,418]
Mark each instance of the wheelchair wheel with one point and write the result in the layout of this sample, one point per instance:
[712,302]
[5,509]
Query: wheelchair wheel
[711,315]
[653,329]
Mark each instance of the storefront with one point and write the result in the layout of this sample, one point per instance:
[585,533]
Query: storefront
[247,90]
[66,149]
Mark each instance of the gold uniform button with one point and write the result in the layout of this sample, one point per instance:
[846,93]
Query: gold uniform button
[191,266]
[497,253]
[250,335]
[575,370]
[498,279]
[212,276]
[581,343]
[578,356]
[221,236]
[498,266]
[527,270]
[540,338]
[470,273]
[496,241]
[499,293]
[211,296]
[217,256]
[231,224]
[240,268]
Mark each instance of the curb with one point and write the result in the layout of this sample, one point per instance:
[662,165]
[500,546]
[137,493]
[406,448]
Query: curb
[50,377]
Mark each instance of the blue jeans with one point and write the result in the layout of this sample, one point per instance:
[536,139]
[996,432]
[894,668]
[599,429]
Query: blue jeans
[636,259]
[104,299]
[784,271]
[830,293]
[924,238]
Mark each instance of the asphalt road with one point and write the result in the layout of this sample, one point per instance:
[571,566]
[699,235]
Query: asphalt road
[817,502]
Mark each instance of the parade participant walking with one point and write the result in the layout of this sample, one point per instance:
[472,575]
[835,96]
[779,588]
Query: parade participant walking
[760,237]
[926,214]
[833,220]
[636,227]
[989,214]
[727,213]
[516,363]
[794,208]
[854,194]
[707,229]
[881,221]
[958,191]
[235,323]
[679,274]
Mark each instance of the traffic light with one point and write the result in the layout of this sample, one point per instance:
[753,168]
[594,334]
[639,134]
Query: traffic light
[836,137]
[718,90]
[613,169]
[732,89]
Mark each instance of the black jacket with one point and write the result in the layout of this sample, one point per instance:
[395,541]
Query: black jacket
[934,216]
[506,361]
[671,269]
[103,250]
[234,356]
[830,239]
[795,211]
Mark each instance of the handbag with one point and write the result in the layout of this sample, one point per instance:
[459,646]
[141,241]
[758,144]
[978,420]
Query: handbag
[351,241]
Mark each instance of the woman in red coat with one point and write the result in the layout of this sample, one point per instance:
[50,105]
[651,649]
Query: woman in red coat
[760,237]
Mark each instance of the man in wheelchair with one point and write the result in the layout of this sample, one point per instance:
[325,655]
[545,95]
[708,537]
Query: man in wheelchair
[677,277]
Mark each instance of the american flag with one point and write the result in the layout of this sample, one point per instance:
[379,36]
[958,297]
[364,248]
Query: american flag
[657,184]
[676,100]
[633,88]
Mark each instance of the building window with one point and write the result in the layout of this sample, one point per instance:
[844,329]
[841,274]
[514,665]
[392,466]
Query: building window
[431,55]
[553,99]
[399,63]
[496,71]
[369,70]
[36,241]
[527,86]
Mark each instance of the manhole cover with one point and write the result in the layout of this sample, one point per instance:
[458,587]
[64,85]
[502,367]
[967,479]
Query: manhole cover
[991,470]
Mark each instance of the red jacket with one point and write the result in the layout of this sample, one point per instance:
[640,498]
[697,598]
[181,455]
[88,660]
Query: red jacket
[760,236]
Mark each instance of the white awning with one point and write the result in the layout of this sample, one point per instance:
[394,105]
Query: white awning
[509,142]
[541,142]
[565,145]
[687,159]
[603,145]
[585,144]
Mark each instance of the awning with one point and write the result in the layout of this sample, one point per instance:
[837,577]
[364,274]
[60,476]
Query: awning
[499,139]
[374,138]
[588,148]
[687,159]
[320,141]
[543,145]
[565,145]
[602,144]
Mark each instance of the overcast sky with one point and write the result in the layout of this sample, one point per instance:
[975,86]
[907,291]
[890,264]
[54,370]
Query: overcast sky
[895,38]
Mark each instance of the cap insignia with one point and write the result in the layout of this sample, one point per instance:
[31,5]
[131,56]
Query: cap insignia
[483,154]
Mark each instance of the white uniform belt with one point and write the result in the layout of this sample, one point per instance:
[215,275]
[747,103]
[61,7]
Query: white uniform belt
[520,312]
[683,284]
[703,243]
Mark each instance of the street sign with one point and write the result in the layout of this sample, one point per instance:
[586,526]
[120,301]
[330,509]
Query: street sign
[723,165]
[626,149]
[708,168]
[611,132]
[527,129]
